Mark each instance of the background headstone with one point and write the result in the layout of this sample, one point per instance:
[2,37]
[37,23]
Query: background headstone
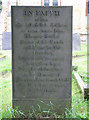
[42,56]
[76,41]
[6,41]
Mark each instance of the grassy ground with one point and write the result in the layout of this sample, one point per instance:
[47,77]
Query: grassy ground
[5,80]
[81,62]
[2,56]
[5,65]
[83,50]
[6,91]
[79,106]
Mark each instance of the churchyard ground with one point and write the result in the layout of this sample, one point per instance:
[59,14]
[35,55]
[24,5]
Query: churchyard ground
[79,105]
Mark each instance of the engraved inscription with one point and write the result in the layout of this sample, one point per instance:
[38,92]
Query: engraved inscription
[42,53]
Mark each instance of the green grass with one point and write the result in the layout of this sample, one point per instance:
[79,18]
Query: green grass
[2,56]
[79,106]
[6,91]
[78,103]
[5,65]
[83,50]
[81,62]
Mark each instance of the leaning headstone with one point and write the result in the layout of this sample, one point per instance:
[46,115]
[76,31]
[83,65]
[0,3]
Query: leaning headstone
[6,40]
[76,41]
[42,57]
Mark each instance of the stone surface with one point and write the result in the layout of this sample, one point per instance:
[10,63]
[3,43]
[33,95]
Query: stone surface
[79,81]
[76,41]
[42,57]
[6,40]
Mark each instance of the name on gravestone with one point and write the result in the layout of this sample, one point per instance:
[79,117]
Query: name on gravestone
[41,56]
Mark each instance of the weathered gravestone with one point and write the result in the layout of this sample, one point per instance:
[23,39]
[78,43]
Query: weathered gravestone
[6,40]
[76,41]
[42,56]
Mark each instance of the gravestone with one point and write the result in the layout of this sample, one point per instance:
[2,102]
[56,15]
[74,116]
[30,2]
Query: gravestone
[6,40]
[76,42]
[42,56]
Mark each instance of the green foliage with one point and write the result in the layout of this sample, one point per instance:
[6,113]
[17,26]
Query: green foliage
[75,68]
[2,56]
[72,113]
[39,111]
[83,50]
[12,113]
[5,65]
[81,62]
[5,92]
[78,110]
[79,106]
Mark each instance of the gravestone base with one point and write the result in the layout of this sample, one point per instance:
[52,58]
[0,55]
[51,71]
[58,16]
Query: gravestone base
[54,105]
